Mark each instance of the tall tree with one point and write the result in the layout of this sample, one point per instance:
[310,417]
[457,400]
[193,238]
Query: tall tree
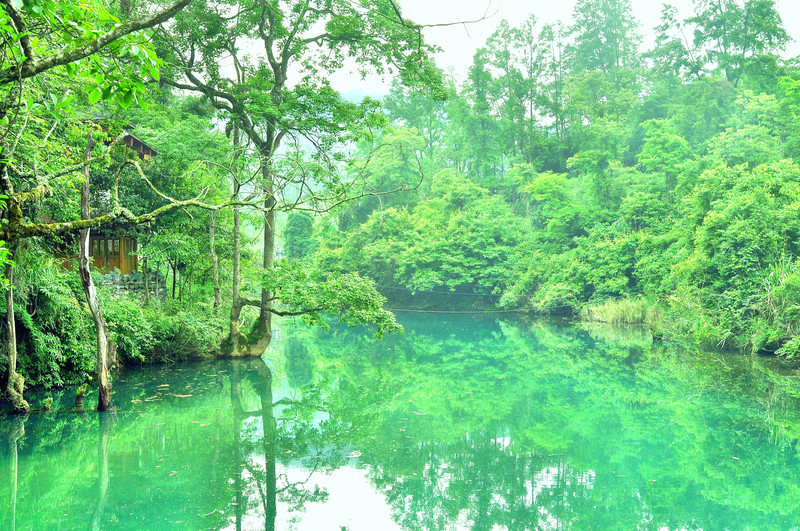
[739,37]
[278,95]
[605,36]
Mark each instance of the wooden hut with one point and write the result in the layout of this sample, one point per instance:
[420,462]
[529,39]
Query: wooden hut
[138,145]
[113,252]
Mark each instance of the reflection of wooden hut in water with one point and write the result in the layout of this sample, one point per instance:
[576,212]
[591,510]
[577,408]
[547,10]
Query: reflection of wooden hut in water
[110,251]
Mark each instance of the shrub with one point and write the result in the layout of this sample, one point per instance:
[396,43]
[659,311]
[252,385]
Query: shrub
[55,337]
[131,330]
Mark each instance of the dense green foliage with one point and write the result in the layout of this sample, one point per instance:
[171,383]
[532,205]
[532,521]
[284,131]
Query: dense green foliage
[571,168]
[201,186]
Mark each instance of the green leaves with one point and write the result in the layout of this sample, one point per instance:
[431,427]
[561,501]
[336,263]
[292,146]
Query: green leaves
[734,36]
[58,27]
[304,291]
[459,239]
[94,95]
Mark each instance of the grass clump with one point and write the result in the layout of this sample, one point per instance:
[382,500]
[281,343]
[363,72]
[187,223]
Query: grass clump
[630,311]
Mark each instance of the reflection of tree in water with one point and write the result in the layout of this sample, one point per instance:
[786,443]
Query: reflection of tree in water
[299,363]
[503,425]
[481,484]
[260,438]
[199,446]
[104,434]
[551,427]
[100,484]
[15,431]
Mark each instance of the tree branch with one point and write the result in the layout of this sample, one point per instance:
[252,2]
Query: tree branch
[289,313]
[33,66]
[22,29]
[414,26]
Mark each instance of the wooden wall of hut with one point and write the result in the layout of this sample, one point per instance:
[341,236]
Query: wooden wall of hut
[112,252]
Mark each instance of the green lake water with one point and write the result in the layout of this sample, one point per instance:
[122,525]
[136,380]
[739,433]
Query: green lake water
[460,423]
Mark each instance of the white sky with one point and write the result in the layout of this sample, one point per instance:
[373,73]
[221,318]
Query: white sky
[459,43]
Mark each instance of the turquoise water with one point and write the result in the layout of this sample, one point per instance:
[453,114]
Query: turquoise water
[460,423]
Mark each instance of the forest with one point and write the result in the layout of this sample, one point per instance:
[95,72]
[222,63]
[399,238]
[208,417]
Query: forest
[571,172]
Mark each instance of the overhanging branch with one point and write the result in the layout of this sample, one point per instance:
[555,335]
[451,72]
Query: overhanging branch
[287,313]
[33,66]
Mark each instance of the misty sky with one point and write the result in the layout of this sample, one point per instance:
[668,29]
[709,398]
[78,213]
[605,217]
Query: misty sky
[460,42]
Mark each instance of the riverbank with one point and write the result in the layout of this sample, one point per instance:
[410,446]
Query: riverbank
[680,316]
[685,318]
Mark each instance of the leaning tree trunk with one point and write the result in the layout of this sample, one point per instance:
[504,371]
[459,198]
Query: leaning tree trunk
[105,348]
[14,383]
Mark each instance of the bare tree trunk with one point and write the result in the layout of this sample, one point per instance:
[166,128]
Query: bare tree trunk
[105,348]
[174,277]
[158,284]
[264,327]
[146,274]
[254,343]
[212,230]
[231,348]
[14,383]
[261,334]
